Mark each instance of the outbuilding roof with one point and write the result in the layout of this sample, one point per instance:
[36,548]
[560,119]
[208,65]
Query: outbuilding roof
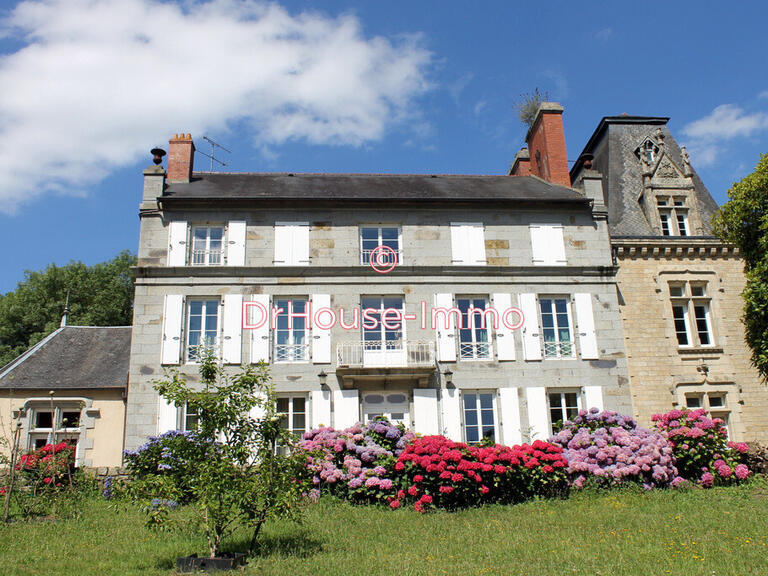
[73,357]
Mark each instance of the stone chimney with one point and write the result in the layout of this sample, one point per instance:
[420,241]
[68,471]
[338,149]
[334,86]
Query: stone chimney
[181,156]
[546,144]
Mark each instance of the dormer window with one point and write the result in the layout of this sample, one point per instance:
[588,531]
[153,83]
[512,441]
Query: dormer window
[647,152]
[673,216]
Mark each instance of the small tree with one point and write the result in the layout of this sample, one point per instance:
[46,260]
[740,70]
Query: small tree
[743,221]
[528,105]
[234,475]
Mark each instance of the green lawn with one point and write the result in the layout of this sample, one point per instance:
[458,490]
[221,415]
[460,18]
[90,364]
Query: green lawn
[717,532]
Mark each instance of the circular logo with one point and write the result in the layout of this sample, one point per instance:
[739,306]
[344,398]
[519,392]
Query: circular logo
[383,259]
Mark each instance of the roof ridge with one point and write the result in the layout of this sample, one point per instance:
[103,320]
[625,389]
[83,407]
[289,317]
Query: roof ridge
[376,174]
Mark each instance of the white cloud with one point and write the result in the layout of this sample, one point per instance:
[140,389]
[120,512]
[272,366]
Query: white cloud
[604,34]
[726,122]
[763,94]
[97,82]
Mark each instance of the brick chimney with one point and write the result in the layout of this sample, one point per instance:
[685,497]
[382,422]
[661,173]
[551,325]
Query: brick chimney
[521,166]
[546,145]
[181,156]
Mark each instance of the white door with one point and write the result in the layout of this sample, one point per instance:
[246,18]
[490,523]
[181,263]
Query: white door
[383,331]
[392,405]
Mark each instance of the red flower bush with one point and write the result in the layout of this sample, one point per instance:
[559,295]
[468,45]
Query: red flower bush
[440,473]
[50,464]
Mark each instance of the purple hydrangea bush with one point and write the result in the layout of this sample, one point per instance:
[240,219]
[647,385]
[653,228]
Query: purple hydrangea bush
[609,449]
[702,451]
[358,462]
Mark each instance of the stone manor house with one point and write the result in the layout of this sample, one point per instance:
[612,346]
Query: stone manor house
[471,306]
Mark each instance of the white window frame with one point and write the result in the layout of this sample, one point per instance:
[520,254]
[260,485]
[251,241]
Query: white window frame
[207,252]
[382,330]
[558,345]
[185,416]
[61,432]
[475,347]
[188,355]
[724,412]
[671,210]
[365,258]
[291,352]
[291,413]
[478,410]
[688,303]
[579,392]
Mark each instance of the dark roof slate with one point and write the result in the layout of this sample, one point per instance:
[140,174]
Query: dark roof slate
[73,357]
[613,146]
[370,187]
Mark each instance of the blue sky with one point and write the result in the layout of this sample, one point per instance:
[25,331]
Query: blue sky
[89,86]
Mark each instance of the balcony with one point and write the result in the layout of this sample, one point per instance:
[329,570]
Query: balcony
[378,354]
[291,352]
[207,258]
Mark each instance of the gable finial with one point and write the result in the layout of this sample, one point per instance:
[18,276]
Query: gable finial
[66,311]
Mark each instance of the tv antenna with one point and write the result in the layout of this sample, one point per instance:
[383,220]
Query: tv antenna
[212,155]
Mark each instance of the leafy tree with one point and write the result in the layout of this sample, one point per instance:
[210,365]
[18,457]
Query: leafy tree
[528,105]
[233,475]
[743,221]
[99,295]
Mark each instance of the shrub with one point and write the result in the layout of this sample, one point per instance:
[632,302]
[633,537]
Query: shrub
[356,463]
[609,449]
[435,472]
[174,455]
[701,448]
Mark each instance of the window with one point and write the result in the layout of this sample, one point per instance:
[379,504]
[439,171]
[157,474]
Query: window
[479,416]
[673,218]
[293,416]
[207,245]
[474,332]
[467,244]
[202,327]
[556,327]
[291,337]
[372,237]
[67,425]
[547,245]
[191,418]
[291,243]
[715,403]
[691,314]
[382,333]
[647,151]
[563,405]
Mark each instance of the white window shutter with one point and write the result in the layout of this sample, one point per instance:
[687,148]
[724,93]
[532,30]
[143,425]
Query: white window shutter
[236,243]
[446,338]
[167,416]
[321,338]
[283,244]
[531,338]
[459,244]
[260,335]
[547,245]
[231,347]
[321,408]
[476,234]
[451,409]
[173,314]
[593,397]
[300,251]
[257,412]
[346,408]
[510,416]
[425,411]
[505,338]
[538,420]
[586,323]
[177,243]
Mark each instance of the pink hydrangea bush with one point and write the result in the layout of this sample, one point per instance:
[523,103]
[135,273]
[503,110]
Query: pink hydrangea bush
[436,472]
[355,463]
[609,449]
[702,451]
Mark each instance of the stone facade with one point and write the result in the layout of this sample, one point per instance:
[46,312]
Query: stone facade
[515,371]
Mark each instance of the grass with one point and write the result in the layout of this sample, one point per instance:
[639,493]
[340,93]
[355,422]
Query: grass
[696,532]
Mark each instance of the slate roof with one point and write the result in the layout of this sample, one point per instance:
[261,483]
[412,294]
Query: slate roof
[73,357]
[613,146]
[369,188]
